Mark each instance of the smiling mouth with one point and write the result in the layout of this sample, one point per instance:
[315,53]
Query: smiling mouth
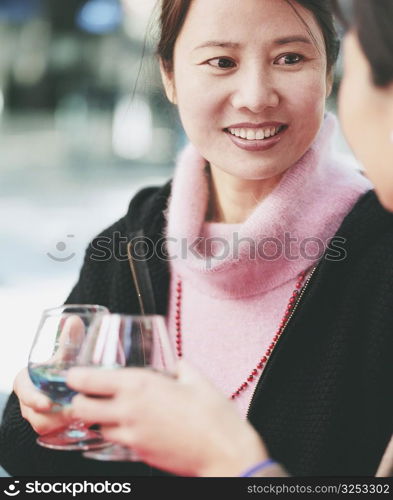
[256,134]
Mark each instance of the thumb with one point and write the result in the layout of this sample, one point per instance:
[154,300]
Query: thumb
[188,374]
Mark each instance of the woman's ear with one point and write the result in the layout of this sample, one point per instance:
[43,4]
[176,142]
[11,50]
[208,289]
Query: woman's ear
[329,83]
[168,82]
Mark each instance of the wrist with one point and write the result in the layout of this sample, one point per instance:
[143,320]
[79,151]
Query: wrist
[258,468]
[236,456]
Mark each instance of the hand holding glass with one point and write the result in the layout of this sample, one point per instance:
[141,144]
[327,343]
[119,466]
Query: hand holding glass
[55,349]
[116,341]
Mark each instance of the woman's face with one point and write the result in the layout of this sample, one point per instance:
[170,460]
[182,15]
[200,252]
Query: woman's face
[249,68]
[366,114]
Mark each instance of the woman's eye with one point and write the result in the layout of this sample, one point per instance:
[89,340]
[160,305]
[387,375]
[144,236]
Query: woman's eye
[221,62]
[289,59]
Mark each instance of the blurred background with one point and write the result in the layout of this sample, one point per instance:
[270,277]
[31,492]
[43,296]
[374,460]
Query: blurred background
[84,124]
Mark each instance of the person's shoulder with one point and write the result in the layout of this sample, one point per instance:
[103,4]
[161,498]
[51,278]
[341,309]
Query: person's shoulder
[105,265]
[369,204]
[367,217]
[146,204]
[365,237]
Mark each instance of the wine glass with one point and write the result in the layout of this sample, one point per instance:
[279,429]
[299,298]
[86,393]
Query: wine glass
[55,348]
[118,341]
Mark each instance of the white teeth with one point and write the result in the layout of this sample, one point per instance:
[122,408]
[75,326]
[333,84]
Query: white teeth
[252,134]
[259,135]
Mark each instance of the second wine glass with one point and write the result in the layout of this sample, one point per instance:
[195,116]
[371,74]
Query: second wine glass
[118,341]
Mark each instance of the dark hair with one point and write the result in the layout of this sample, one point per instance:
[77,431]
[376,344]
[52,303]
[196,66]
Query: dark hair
[172,17]
[323,14]
[173,14]
[372,20]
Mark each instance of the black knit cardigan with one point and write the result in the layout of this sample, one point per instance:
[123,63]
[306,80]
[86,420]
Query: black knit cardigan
[324,403]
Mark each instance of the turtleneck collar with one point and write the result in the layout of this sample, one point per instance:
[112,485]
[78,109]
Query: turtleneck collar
[285,234]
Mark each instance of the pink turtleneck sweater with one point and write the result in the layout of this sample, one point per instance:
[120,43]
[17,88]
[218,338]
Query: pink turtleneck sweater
[233,299]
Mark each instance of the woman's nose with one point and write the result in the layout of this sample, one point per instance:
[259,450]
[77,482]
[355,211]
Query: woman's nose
[256,91]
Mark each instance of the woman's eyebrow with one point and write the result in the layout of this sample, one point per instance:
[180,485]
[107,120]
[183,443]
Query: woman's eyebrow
[292,39]
[217,43]
[235,45]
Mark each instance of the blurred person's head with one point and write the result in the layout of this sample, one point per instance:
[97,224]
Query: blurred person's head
[227,64]
[366,95]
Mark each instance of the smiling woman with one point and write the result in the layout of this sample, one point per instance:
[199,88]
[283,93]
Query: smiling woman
[290,322]
[223,87]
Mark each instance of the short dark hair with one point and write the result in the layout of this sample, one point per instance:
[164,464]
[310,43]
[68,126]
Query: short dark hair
[372,21]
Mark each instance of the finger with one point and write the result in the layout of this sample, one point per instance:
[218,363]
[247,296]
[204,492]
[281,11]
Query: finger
[71,336]
[188,374]
[94,410]
[46,423]
[143,377]
[28,394]
[73,330]
[191,379]
[93,381]
[35,399]
[117,434]
[69,415]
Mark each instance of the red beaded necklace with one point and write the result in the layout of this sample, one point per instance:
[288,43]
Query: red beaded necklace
[262,362]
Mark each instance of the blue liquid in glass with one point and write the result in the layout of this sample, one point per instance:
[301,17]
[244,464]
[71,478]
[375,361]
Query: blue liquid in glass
[51,381]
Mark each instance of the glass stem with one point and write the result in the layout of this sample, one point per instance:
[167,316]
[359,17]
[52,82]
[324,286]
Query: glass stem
[76,429]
